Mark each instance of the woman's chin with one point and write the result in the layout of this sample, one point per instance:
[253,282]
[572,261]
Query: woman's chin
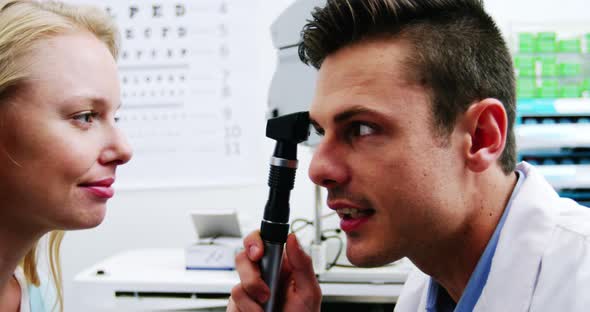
[87,219]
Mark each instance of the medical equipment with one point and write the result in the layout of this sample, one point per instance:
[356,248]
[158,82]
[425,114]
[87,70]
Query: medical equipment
[219,240]
[288,131]
[283,98]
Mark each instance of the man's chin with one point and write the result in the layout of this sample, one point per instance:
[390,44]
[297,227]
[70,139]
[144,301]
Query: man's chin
[362,260]
[366,259]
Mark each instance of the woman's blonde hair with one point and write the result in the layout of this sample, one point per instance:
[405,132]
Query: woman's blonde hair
[22,24]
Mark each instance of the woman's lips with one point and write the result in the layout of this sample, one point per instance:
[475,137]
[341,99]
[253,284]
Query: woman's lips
[101,188]
[100,191]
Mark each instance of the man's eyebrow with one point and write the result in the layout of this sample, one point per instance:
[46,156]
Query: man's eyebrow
[345,115]
[352,112]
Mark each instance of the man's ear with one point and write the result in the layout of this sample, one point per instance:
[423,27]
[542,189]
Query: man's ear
[485,123]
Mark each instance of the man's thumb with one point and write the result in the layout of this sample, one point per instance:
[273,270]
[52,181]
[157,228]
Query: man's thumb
[301,266]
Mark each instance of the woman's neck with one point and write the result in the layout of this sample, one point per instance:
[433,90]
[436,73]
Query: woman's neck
[15,242]
[10,295]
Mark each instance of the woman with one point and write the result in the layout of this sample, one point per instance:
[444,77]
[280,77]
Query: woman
[59,145]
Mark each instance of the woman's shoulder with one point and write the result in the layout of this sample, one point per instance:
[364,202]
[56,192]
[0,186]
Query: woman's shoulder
[35,298]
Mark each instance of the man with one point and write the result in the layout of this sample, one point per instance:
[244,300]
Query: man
[415,101]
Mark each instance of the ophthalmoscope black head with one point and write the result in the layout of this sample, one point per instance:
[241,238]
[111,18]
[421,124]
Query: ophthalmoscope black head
[288,131]
[293,128]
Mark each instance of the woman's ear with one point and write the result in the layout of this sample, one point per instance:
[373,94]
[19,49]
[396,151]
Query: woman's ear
[485,123]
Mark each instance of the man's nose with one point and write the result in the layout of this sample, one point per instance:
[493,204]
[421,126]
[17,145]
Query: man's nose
[328,166]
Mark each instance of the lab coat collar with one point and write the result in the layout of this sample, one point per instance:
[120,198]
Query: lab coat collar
[524,238]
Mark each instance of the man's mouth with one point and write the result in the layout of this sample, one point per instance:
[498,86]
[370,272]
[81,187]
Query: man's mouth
[354,213]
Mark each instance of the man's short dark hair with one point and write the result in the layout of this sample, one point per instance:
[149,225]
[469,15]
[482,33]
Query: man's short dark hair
[459,53]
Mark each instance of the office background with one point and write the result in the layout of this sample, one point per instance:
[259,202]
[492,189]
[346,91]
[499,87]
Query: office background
[146,216]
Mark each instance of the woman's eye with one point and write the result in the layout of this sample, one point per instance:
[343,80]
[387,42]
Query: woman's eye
[86,117]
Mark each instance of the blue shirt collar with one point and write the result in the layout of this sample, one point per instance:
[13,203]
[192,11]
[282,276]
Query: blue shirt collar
[438,300]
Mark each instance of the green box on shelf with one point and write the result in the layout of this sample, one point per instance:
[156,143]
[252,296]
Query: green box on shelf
[569,46]
[570,91]
[546,42]
[548,66]
[586,85]
[526,72]
[588,43]
[525,66]
[525,88]
[549,89]
[545,47]
[525,94]
[547,35]
[526,42]
[524,60]
[569,69]
[525,83]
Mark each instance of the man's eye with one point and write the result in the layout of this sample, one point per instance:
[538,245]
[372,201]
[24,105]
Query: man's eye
[316,129]
[86,117]
[361,129]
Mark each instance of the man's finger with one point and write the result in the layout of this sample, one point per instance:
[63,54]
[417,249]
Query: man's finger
[254,246]
[231,306]
[301,267]
[240,301]
[250,277]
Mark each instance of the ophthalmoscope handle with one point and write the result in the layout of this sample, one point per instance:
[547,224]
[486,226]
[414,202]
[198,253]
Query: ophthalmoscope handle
[288,131]
[270,266]
[274,229]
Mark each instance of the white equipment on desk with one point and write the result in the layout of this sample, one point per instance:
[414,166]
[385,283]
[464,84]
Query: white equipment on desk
[220,239]
[156,280]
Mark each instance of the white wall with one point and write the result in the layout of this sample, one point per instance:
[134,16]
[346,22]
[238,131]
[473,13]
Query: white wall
[538,10]
[159,218]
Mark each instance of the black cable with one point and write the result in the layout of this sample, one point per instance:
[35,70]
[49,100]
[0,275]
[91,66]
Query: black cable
[338,265]
[340,247]
[329,214]
[308,223]
[336,231]
[295,230]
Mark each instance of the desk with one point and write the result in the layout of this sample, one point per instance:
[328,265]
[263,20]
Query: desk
[155,279]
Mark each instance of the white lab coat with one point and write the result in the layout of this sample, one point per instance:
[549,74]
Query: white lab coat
[542,260]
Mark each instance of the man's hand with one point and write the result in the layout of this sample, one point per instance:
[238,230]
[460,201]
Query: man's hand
[300,291]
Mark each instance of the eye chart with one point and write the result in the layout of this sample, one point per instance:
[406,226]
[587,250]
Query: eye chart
[188,73]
